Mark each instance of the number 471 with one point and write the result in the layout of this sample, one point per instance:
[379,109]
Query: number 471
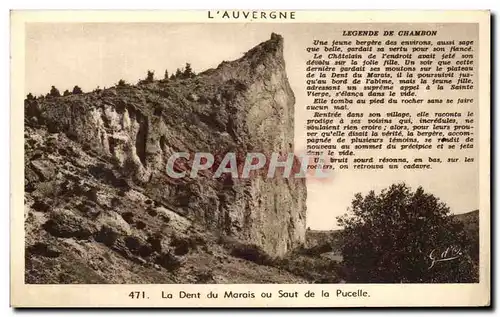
[137,295]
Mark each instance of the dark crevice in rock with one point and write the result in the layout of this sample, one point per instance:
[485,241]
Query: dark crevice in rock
[112,144]
[163,144]
[105,119]
[142,137]
[128,217]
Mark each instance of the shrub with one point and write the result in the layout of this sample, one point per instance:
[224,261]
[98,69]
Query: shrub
[77,90]
[393,237]
[115,202]
[92,194]
[121,83]
[107,236]
[183,244]
[205,277]
[66,93]
[188,71]
[249,252]
[155,242]
[253,253]
[54,92]
[169,261]
[66,224]
[178,73]
[133,243]
[145,251]
[43,249]
[150,76]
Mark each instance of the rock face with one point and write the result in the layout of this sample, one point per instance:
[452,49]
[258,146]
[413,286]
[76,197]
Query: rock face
[242,106]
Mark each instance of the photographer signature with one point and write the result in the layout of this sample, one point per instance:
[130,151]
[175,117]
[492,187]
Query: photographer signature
[448,254]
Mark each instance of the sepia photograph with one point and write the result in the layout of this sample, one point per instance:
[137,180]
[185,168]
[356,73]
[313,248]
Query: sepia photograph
[246,154]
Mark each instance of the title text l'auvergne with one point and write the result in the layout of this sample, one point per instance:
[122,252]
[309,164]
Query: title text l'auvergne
[251,15]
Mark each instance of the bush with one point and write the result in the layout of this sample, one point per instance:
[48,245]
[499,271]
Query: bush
[66,224]
[66,93]
[205,277]
[188,71]
[133,243]
[155,242]
[253,253]
[54,92]
[77,90]
[249,252]
[150,76]
[183,244]
[393,237]
[168,261]
[178,73]
[107,236]
[121,83]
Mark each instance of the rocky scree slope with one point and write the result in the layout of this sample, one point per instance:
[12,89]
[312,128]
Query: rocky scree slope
[95,179]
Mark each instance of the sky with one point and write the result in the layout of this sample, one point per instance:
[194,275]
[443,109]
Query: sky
[92,55]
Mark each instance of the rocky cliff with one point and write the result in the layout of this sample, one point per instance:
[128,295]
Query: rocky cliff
[96,162]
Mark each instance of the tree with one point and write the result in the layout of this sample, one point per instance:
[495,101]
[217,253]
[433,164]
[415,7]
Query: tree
[397,236]
[30,96]
[66,93]
[166,75]
[77,90]
[150,77]
[188,71]
[121,83]
[178,73]
[54,92]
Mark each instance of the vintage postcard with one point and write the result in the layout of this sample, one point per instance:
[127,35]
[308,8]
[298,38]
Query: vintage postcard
[248,158]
